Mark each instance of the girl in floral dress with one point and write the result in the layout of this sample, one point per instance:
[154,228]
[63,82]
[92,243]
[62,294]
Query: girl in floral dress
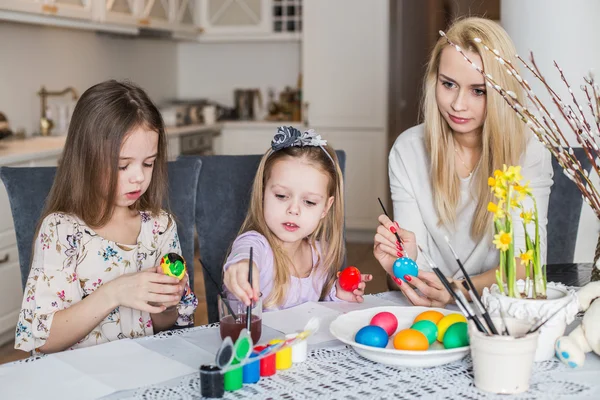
[95,274]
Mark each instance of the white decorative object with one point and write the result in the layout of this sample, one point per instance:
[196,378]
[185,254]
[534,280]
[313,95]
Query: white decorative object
[586,337]
[346,325]
[537,310]
[513,355]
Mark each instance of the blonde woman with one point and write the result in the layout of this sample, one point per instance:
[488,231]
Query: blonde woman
[295,225]
[438,170]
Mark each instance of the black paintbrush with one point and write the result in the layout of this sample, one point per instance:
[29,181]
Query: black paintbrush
[387,215]
[459,302]
[473,291]
[219,291]
[249,308]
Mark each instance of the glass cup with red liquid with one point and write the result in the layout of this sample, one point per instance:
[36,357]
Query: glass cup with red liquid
[232,325]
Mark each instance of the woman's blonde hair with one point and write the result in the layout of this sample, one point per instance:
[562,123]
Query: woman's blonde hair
[329,232]
[503,134]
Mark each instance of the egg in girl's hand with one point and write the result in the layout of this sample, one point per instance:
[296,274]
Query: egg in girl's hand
[405,266]
[349,279]
[372,335]
[446,322]
[456,336]
[387,321]
[427,328]
[431,315]
[410,339]
[173,264]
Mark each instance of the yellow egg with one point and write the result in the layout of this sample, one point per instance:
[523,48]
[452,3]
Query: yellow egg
[446,322]
[410,339]
[431,315]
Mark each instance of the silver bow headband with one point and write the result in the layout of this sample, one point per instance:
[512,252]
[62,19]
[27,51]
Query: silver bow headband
[288,136]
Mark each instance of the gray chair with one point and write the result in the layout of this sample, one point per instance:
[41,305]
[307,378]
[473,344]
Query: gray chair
[221,206]
[564,211]
[28,188]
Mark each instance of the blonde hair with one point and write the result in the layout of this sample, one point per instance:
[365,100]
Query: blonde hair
[329,232]
[503,135]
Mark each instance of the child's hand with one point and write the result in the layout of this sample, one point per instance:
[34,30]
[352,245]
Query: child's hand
[182,285]
[355,296]
[145,291]
[387,249]
[236,281]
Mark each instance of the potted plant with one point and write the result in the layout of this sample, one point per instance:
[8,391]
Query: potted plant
[534,298]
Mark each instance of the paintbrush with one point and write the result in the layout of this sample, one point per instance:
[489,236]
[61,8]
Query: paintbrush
[387,215]
[473,291]
[249,308]
[459,302]
[219,291]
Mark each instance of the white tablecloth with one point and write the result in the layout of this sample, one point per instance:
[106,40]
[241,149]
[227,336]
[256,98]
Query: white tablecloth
[334,371]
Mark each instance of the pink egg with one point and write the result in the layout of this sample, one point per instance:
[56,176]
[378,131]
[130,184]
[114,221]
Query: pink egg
[387,321]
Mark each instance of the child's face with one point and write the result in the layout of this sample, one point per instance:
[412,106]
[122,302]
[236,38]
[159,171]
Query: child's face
[295,199]
[460,92]
[136,162]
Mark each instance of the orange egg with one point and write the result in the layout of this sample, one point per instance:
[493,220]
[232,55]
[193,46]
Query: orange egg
[410,339]
[431,315]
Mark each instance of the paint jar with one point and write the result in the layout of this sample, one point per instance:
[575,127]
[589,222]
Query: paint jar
[283,358]
[211,382]
[251,371]
[267,364]
[299,349]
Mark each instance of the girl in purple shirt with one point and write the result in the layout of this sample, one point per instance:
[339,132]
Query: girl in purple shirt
[295,226]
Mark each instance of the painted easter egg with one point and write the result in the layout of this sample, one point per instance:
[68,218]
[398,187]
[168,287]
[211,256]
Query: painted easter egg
[372,335]
[349,279]
[386,320]
[456,336]
[410,339]
[173,264]
[446,322]
[427,328]
[405,266]
[431,315]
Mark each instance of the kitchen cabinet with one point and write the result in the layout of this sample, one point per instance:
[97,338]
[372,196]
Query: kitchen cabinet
[10,284]
[345,69]
[239,138]
[79,9]
[235,16]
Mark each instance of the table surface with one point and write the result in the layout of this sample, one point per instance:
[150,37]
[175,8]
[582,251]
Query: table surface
[335,371]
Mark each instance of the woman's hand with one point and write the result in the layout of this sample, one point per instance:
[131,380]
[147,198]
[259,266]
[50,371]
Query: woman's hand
[433,292]
[357,294]
[145,291]
[387,249]
[236,281]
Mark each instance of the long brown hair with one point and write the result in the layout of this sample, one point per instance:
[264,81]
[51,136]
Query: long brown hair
[86,179]
[329,232]
[503,134]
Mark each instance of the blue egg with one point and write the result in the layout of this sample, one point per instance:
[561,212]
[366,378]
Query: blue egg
[405,266]
[372,335]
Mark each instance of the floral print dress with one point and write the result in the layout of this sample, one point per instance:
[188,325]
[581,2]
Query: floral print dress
[71,261]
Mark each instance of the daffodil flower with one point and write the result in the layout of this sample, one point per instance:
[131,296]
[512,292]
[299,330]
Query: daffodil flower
[527,216]
[502,240]
[526,257]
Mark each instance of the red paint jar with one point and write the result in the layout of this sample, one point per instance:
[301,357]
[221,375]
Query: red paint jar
[267,364]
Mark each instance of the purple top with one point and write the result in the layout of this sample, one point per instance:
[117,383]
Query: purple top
[301,290]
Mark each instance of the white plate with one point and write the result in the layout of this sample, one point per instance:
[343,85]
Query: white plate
[346,325]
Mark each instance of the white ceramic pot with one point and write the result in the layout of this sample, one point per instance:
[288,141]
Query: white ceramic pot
[534,310]
[503,364]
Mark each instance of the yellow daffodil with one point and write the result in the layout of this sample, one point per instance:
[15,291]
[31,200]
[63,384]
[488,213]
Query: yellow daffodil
[527,216]
[513,174]
[526,257]
[524,189]
[502,240]
[496,209]
[500,192]
[491,182]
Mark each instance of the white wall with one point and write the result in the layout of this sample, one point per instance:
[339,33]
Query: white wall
[214,70]
[31,56]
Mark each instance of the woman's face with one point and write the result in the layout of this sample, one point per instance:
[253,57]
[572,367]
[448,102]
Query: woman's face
[460,92]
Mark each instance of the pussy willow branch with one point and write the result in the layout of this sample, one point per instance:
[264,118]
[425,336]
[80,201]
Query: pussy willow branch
[547,131]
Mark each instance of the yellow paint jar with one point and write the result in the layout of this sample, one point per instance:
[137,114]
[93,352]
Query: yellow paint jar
[283,358]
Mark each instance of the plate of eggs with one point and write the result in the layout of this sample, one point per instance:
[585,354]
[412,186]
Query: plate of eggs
[405,336]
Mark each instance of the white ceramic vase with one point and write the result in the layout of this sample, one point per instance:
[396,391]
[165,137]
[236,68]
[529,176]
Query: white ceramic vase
[535,310]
